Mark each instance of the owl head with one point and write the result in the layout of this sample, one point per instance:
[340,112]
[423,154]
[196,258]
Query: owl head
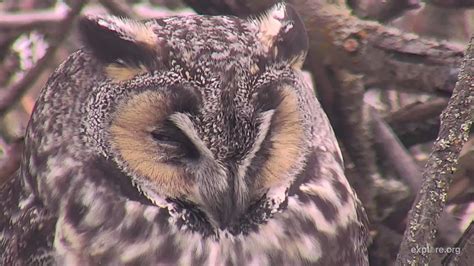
[205,110]
[187,140]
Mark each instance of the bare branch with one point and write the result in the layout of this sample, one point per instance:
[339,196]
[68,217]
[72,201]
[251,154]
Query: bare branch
[438,23]
[396,154]
[429,204]
[464,198]
[452,3]
[386,56]
[150,12]
[53,17]
[418,122]
[119,8]
[352,127]
[382,10]
[407,169]
[10,95]
[462,187]
[33,19]
[385,245]
[466,246]
[324,88]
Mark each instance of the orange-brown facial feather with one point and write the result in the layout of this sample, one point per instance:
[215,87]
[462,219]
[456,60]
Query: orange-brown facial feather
[287,140]
[131,137]
[120,73]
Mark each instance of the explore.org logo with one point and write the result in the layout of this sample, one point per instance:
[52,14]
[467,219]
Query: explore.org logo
[438,250]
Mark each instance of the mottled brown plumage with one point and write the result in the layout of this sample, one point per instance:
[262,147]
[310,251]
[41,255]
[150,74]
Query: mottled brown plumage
[185,140]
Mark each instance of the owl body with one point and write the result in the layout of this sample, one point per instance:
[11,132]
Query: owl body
[188,141]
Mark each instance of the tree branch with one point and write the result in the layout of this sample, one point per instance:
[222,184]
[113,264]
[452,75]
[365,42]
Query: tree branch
[456,120]
[382,10]
[386,56]
[352,128]
[466,249]
[10,95]
[452,3]
[33,19]
[53,17]
[395,153]
[418,122]
[407,169]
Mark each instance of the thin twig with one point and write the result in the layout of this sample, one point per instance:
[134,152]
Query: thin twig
[429,204]
[10,95]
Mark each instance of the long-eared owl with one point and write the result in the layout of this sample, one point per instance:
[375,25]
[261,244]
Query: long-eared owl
[182,141]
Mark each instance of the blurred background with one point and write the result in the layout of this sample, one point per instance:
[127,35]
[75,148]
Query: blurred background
[383,71]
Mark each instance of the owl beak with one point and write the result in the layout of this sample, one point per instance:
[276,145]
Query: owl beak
[218,197]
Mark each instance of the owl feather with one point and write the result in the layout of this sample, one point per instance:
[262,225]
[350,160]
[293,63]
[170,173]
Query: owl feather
[184,140]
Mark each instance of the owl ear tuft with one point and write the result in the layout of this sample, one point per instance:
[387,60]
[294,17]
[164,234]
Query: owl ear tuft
[126,47]
[283,35]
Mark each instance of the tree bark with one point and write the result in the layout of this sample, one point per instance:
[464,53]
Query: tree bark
[456,121]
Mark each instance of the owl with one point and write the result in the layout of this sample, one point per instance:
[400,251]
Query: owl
[182,141]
